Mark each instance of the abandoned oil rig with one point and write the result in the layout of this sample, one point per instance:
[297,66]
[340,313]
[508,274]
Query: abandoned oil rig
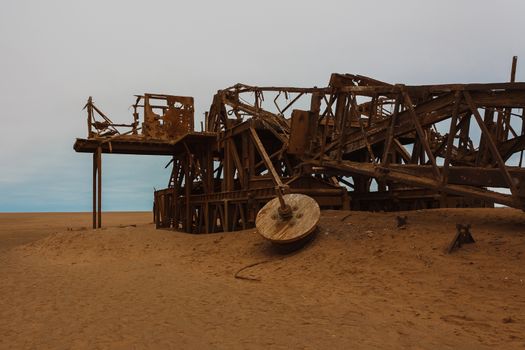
[358,143]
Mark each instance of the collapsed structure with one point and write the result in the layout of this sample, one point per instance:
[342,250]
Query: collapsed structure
[358,143]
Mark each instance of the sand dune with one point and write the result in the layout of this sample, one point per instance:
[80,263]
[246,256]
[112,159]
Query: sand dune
[361,283]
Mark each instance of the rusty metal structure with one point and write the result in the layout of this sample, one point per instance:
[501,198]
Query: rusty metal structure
[358,143]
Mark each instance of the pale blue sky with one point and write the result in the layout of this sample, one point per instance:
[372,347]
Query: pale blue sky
[54,54]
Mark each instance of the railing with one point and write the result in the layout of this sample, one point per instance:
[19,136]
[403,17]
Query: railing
[166,118]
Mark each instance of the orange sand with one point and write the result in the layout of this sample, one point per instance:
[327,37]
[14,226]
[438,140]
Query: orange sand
[361,283]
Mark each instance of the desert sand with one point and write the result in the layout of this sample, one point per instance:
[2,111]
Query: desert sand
[360,283]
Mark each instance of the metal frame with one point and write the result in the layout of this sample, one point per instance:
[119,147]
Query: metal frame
[358,143]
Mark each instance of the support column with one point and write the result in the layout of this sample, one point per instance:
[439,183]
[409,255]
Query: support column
[226,224]
[187,193]
[95,189]
[99,168]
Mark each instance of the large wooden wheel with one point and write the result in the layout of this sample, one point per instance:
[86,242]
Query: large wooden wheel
[298,224]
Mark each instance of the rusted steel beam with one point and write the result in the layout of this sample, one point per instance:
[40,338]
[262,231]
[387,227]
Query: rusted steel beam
[268,162]
[492,146]
[347,167]
[422,136]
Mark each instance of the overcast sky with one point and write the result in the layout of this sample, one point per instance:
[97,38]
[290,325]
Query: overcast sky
[54,54]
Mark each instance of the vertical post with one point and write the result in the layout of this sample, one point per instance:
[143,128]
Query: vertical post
[156,214]
[340,106]
[339,121]
[99,168]
[89,107]
[245,160]
[209,170]
[315,110]
[95,189]
[176,190]
[229,170]
[513,69]
[450,139]
[373,110]
[226,224]
[155,211]
[522,132]
[512,80]
[236,162]
[504,124]
[187,187]
[207,216]
[251,159]
[208,163]
[325,128]
[172,192]
[344,128]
